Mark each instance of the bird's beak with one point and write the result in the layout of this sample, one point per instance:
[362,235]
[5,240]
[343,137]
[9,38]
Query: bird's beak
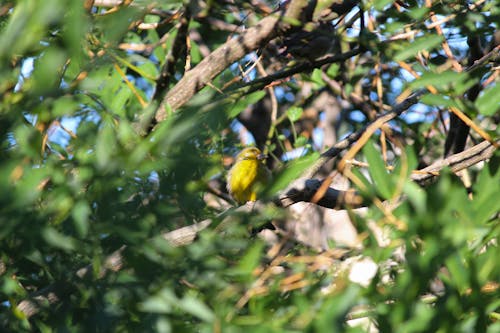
[261,157]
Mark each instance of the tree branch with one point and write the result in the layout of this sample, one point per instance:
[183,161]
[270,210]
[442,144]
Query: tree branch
[260,83]
[230,52]
[299,185]
[336,199]
[175,54]
[456,162]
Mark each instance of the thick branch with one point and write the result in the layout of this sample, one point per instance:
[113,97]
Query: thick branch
[107,3]
[331,198]
[457,162]
[225,55]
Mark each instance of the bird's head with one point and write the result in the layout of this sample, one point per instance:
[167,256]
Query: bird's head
[250,153]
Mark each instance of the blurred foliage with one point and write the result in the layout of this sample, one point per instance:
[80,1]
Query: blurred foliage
[77,182]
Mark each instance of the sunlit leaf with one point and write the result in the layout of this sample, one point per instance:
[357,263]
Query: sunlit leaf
[239,105]
[437,80]
[294,113]
[197,308]
[380,176]
[291,172]
[408,50]
[488,102]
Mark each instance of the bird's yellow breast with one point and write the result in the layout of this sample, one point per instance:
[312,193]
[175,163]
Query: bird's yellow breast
[242,179]
[247,176]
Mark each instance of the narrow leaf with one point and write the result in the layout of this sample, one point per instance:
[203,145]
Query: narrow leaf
[378,172]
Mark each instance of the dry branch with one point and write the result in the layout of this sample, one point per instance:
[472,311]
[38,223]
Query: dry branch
[457,162]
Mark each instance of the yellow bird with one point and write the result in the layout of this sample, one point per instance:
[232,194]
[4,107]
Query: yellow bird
[248,175]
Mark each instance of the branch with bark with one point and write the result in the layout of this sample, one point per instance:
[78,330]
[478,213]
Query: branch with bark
[230,52]
[277,24]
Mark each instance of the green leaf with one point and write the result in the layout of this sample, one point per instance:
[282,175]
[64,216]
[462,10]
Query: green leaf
[317,79]
[412,157]
[105,146]
[58,240]
[146,69]
[418,13]
[464,83]
[438,80]
[196,55]
[120,98]
[81,212]
[166,301]
[27,189]
[162,302]
[380,4]
[251,259]
[26,26]
[420,44]
[294,113]
[115,25]
[292,171]
[369,189]
[488,102]
[486,201]
[438,100]
[333,70]
[488,263]
[242,103]
[64,106]
[382,179]
[76,23]
[46,69]
[416,196]
[197,308]
[301,141]
[458,273]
